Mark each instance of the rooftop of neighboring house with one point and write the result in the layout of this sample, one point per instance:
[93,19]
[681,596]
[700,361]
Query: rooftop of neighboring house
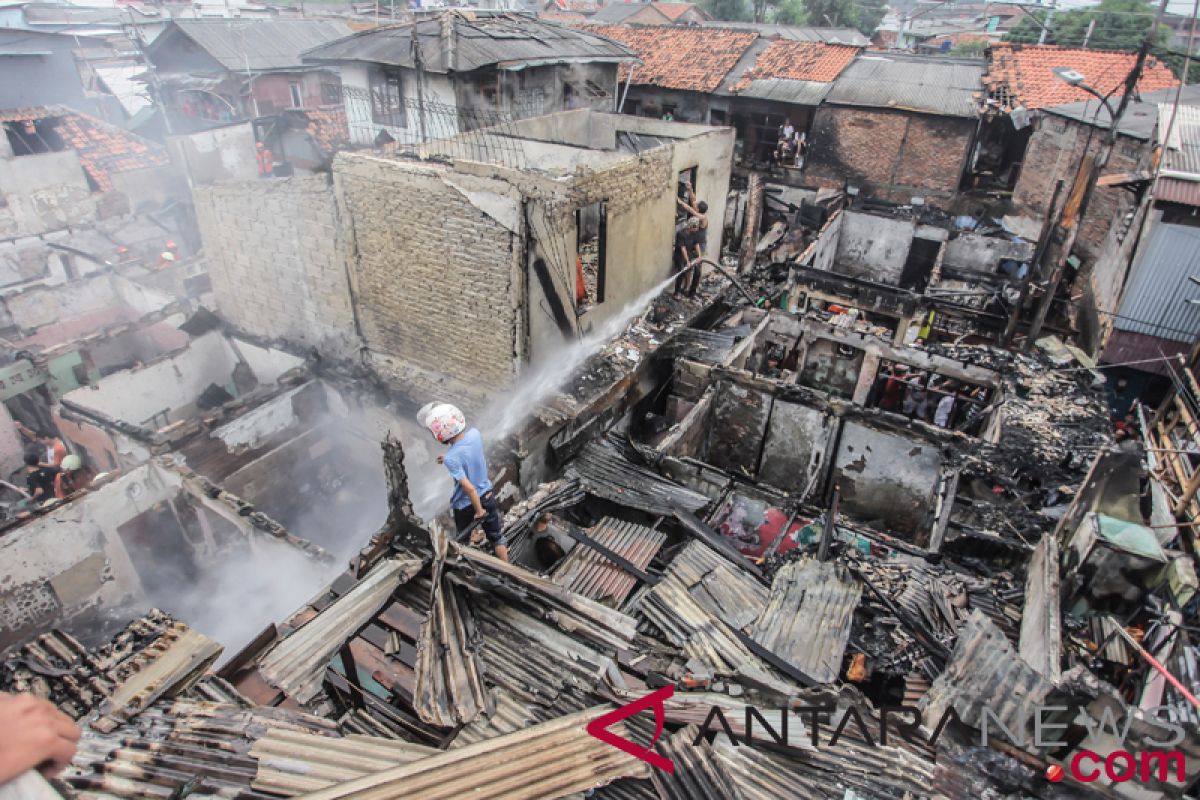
[1180,181]
[104,149]
[1140,118]
[674,11]
[616,13]
[798,33]
[693,59]
[19,42]
[799,61]
[1024,74]
[927,84]
[461,42]
[260,45]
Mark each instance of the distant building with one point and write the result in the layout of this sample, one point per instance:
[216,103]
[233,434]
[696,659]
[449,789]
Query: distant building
[213,72]
[437,77]
[40,69]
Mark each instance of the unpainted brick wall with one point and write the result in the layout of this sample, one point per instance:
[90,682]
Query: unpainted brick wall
[276,257]
[888,153]
[434,274]
[1055,152]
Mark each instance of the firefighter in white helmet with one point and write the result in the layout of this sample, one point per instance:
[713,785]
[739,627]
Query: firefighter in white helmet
[472,498]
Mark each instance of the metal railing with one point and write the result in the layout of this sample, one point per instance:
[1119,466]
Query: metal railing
[423,128]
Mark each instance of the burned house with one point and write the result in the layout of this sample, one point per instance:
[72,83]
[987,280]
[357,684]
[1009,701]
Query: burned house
[913,273]
[208,73]
[155,535]
[897,127]
[438,77]
[553,225]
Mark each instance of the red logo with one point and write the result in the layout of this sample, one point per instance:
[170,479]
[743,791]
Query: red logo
[599,728]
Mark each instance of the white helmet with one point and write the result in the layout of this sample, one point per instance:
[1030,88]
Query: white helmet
[423,414]
[444,422]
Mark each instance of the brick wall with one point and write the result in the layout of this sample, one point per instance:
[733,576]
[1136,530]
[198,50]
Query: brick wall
[1055,151]
[888,154]
[277,259]
[434,273]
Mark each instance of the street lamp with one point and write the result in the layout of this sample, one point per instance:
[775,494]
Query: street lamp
[1073,78]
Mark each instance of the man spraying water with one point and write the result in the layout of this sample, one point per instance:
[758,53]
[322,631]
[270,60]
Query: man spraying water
[472,498]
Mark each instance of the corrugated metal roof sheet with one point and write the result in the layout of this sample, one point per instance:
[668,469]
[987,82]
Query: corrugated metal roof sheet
[259,44]
[552,759]
[807,618]
[1150,352]
[930,85]
[449,686]
[604,471]
[796,33]
[297,664]
[587,572]
[782,90]
[985,672]
[482,42]
[184,749]
[1156,298]
[1182,156]
[291,762]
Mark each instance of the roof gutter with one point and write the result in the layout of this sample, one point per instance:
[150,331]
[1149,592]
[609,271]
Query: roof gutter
[551,61]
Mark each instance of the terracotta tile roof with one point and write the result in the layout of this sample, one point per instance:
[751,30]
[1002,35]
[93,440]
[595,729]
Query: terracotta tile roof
[674,11]
[694,59]
[104,149]
[328,127]
[799,61]
[1022,74]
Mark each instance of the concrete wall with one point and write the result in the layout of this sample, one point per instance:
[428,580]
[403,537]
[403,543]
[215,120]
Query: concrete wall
[42,193]
[435,270]
[276,257]
[794,449]
[220,154]
[887,477]
[823,255]
[976,253]
[639,195]
[873,248]
[894,155]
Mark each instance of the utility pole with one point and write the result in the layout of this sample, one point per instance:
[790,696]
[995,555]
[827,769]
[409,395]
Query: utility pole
[1090,167]
[1046,23]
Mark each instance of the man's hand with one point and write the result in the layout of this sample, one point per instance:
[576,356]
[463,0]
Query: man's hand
[441,459]
[480,513]
[34,734]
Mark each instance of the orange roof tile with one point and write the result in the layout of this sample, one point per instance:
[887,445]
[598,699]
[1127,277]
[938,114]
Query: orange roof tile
[328,127]
[694,59]
[799,61]
[104,149]
[1024,73]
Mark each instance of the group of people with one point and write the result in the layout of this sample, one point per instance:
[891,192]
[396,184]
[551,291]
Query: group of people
[945,402]
[791,146]
[691,240]
[50,471]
